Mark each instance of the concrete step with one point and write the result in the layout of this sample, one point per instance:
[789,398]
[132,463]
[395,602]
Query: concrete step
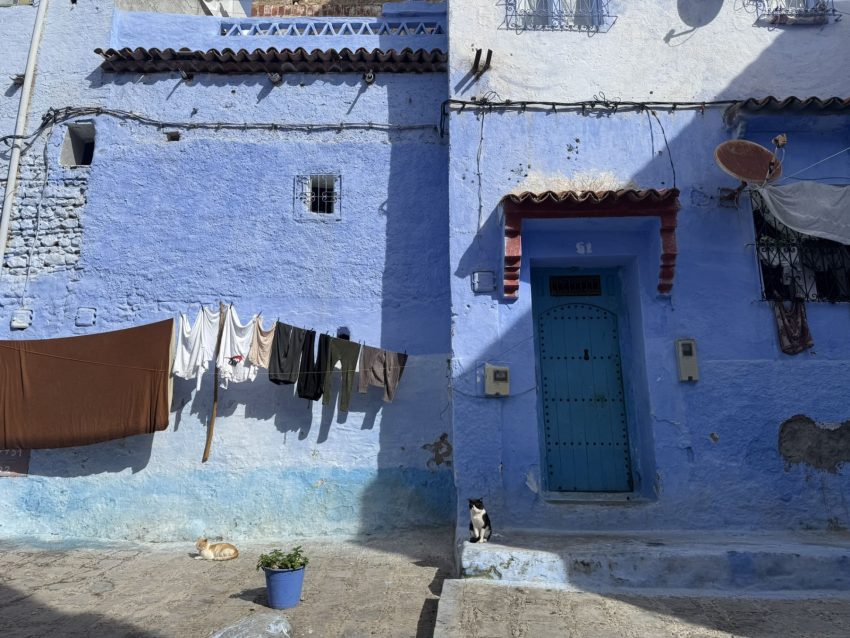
[686,561]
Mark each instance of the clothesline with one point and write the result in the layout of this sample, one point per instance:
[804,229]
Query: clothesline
[288,353]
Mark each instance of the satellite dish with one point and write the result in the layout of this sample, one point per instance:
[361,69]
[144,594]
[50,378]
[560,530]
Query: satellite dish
[748,161]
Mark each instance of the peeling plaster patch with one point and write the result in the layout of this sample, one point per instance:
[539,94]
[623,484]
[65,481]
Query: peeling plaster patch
[442,451]
[823,446]
[714,437]
[580,181]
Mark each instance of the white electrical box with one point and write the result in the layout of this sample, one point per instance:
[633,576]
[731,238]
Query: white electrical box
[686,356]
[497,381]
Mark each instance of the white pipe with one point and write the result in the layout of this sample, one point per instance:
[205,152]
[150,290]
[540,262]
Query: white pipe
[20,128]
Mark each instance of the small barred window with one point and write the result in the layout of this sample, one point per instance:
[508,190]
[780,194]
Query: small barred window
[319,195]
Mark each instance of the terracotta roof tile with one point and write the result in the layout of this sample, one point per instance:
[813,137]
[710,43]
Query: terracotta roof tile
[596,198]
[272,60]
[792,104]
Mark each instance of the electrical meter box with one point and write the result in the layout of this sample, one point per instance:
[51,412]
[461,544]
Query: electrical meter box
[497,381]
[686,356]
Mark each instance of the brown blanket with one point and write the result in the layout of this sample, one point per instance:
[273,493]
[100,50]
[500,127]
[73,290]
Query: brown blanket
[81,390]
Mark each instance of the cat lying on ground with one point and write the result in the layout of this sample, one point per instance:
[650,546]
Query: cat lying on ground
[215,551]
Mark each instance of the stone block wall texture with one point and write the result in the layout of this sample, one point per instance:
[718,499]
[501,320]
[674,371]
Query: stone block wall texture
[366,8]
[45,227]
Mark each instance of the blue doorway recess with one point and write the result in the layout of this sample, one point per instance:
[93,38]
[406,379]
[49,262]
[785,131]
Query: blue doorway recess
[581,405]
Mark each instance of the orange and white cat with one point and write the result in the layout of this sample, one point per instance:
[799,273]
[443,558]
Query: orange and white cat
[215,551]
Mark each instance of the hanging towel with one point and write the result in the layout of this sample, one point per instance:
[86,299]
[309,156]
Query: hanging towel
[792,327]
[88,389]
[196,345]
[347,353]
[286,354]
[311,375]
[382,368]
[811,208]
[261,345]
[233,352]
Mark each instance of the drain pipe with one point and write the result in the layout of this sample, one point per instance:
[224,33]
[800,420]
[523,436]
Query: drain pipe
[20,128]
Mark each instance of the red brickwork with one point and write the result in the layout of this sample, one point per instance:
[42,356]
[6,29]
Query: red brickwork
[314,8]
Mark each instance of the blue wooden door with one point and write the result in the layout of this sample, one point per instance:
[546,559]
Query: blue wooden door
[582,408]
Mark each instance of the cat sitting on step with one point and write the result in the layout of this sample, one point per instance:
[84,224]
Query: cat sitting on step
[479,525]
[215,551]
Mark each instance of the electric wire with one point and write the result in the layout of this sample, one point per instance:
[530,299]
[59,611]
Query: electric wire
[825,159]
[58,115]
[598,102]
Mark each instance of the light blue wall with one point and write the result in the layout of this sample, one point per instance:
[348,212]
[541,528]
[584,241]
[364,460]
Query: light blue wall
[169,225]
[17,28]
[707,453]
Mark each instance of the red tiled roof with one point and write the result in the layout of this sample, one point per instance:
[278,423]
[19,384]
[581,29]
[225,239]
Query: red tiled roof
[663,204]
[596,198]
[792,104]
[272,60]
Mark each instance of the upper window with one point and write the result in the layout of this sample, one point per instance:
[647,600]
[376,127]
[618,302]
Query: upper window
[558,15]
[796,266]
[794,11]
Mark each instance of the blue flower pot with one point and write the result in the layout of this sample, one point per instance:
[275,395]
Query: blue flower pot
[284,587]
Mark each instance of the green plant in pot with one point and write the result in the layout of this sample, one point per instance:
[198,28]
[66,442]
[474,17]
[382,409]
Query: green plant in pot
[284,576]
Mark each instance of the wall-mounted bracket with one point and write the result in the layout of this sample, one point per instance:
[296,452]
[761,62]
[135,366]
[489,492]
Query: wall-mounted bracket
[479,69]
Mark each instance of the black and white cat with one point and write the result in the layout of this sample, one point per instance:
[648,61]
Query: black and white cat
[479,525]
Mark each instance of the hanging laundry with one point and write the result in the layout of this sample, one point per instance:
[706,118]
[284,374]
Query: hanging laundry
[381,368]
[792,327]
[346,353]
[196,345]
[233,352]
[286,354]
[261,345]
[82,390]
[811,208]
[311,375]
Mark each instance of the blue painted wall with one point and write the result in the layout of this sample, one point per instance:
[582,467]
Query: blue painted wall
[706,454]
[166,226]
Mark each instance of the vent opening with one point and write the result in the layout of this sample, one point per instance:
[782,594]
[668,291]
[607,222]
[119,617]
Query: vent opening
[575,286]
[78,148]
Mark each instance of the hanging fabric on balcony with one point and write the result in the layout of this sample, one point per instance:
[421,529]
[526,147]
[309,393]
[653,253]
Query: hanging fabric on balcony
[88,389]
[819,210]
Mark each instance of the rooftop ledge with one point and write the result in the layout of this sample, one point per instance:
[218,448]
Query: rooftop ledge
[417,25]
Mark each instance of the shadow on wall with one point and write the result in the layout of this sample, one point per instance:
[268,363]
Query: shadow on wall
[23,612]
[695,14]
[414,486]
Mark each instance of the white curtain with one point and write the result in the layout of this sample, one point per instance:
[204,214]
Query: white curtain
[819,210]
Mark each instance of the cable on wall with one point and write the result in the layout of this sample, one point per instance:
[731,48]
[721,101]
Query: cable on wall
[57,115]
[598,103]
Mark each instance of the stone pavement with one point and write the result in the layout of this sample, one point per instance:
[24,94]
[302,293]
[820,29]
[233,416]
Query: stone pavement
[372,587]
[476,609]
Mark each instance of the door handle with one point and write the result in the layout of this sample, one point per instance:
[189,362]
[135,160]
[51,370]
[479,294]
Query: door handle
[586,355]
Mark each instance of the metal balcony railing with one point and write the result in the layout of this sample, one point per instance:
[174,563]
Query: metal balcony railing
[780,12]
[558,15]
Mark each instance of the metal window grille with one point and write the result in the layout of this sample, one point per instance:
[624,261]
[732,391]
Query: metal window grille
[797,266]
[320,194]
[794,11]
[558,15]
[575,286]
